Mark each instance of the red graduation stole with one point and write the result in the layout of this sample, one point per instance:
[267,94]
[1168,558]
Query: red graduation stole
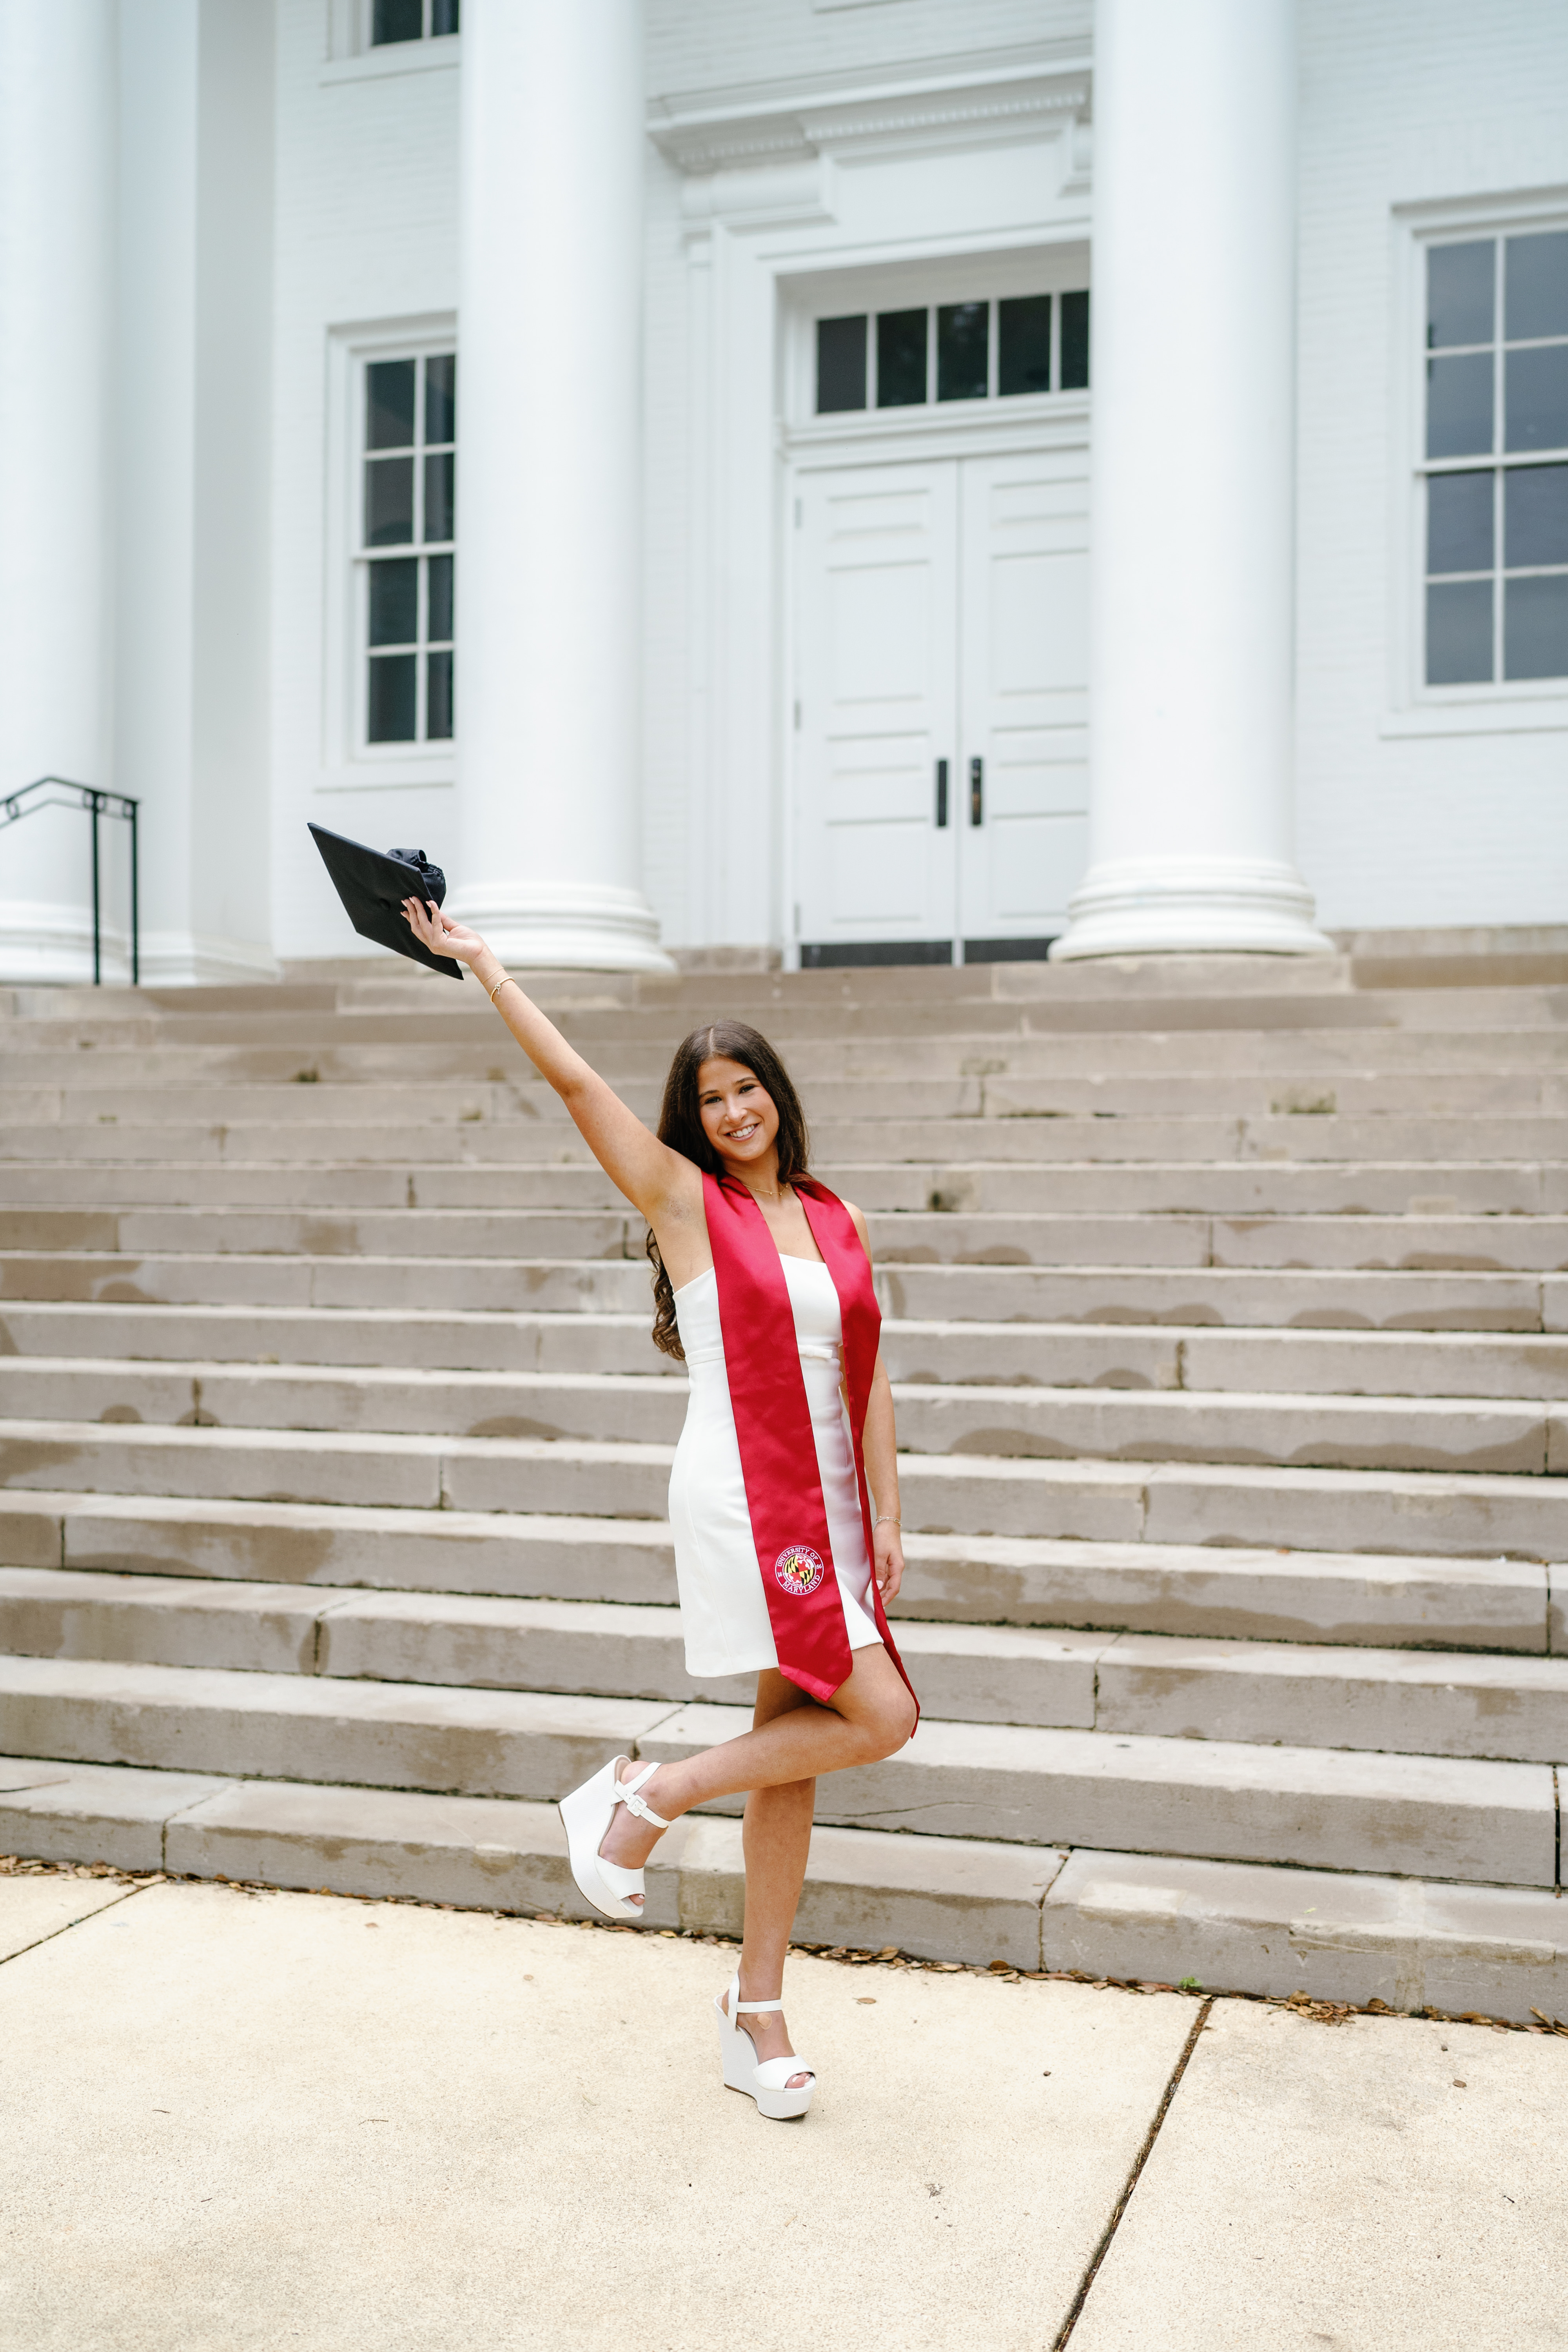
[772,1420]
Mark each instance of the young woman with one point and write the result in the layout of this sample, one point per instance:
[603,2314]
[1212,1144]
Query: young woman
[783,1496]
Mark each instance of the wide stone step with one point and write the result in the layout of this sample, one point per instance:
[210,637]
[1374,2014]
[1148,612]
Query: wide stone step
[1350,1242]
[207,1082]
[1387,1511]
[1410,1943]
[1255,1189]
[1338,1936]
[843,1046]
[1223,1800]
[1518,1436]
[334,1126]
[1418,1703]
[1055,1355]
[945,1898]
[1276,1595]
[1324,1808]
[1296,1297]
[1425,987]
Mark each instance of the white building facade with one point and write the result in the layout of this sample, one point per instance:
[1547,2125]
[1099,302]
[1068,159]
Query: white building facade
[828,480]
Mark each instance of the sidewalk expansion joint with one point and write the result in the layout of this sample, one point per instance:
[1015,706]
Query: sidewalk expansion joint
[1108,2232]
[55,1933]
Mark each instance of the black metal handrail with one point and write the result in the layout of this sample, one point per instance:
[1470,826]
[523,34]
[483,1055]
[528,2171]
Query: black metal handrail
[53,791]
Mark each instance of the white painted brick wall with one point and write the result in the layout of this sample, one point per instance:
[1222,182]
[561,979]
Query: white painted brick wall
[366,230]
[1404,101]
[717,44]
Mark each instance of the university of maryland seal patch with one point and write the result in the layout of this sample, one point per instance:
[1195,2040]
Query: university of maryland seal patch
[799,1569]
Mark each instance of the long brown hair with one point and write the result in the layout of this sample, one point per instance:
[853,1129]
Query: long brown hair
[681,1126]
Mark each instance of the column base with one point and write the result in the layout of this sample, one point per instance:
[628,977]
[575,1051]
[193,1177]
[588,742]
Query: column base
[565,926]
[44,945]
[1200,905]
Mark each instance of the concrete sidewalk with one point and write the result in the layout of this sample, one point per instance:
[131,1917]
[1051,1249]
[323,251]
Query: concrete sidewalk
[231,2121]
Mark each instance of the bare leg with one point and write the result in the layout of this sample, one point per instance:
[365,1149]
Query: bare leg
[869,1717]
[777,1839]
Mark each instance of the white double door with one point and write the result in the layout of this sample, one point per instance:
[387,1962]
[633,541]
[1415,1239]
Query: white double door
[941,630]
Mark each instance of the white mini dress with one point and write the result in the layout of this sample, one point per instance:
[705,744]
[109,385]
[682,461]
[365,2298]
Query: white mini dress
[723,1610]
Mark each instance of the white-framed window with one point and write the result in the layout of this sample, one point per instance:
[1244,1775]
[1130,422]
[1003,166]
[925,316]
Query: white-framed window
[954,344]
[1491,466]
[405,558]
[391,21]
[378,37]
[917,355]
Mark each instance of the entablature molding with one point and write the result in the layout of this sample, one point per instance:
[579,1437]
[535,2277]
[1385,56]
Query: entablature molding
[996,97]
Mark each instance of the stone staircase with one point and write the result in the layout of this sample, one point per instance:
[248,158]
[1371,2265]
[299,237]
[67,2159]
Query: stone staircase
[1228,1318]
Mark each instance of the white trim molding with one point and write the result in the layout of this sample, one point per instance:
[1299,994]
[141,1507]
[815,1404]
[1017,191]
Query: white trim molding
[963,101]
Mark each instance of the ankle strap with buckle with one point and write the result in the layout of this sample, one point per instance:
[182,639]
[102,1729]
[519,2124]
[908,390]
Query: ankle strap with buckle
[627,1792]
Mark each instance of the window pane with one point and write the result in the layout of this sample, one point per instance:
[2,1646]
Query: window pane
[440,485]
[438,697]
[441,398]
[1459,522]
[963,351]
[389,404]
[1535,286]
[391,699]
[1535,628]
[840,364]
[1535,393]
[1535,515]
[1459,633]
[394,602]
[396,20]
[440,623]
[1075,342]
[1459,301]
[1459,405]
[443,16]
[1023,338]
[388,502]
[900,358]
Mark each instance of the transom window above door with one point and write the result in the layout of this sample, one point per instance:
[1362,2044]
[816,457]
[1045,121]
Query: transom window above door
[1496,460]
[981,350]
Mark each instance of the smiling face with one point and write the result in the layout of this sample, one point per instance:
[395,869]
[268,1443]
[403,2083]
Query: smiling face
[738,1115]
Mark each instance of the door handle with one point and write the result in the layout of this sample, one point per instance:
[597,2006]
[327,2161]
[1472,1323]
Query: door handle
[940,795]
[977,792]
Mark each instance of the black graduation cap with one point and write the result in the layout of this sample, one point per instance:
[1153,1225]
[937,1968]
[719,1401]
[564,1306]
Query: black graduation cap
[373,886]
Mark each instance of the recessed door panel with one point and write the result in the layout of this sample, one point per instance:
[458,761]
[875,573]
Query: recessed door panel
[876,618]
[1024,692]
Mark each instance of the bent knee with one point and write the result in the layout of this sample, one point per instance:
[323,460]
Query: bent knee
[890,1729]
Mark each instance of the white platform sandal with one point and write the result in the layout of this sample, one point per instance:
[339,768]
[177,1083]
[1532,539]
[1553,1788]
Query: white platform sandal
[586,1815]
[767,2082]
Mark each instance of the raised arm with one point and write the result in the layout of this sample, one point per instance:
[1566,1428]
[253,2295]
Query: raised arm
[661,1184]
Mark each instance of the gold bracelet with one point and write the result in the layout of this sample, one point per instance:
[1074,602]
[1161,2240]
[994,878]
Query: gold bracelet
[886,1518]
[500,986]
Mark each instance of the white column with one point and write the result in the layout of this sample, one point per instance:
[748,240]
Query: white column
[56,328]
[1194,484]
[550,425]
